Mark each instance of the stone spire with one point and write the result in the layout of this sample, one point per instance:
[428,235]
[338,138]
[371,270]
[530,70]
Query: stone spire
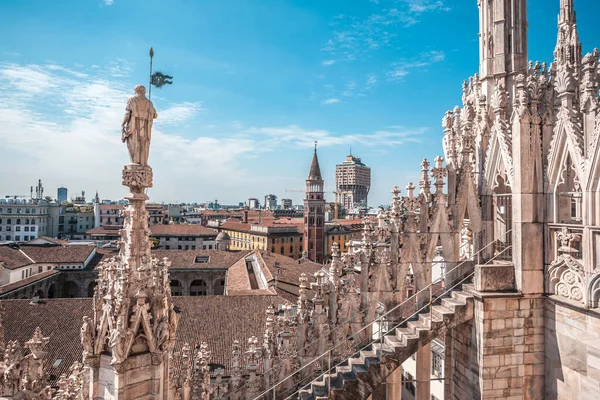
[568,46]
[315,170]
[134,322]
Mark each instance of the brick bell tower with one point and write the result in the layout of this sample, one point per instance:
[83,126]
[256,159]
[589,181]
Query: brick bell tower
[314,213]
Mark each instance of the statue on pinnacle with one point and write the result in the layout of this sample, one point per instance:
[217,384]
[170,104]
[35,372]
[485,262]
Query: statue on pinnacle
[137,126]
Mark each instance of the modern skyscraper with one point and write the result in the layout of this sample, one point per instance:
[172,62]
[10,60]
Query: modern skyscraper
[253,203]
[314,213]
[61,196]
[270,202]
[352,183]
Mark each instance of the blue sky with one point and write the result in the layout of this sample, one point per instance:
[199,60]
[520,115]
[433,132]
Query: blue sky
[255,83]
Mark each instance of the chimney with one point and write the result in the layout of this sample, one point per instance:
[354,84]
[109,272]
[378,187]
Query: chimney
[245,216]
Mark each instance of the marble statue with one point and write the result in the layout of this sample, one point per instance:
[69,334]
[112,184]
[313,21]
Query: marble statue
[137,126]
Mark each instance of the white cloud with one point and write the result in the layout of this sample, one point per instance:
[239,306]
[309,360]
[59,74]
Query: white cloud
[350,88]
[402,68]
[371,81]
[109,2]
[63,125]
[179,113]
[30,79]
[353,38]
[67,131]
[421,6]
[298,136]
[328,62]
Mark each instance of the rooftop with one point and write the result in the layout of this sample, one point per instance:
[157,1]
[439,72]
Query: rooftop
[12,257]
[182,230]
[205,259]
[218,320]
[351,160]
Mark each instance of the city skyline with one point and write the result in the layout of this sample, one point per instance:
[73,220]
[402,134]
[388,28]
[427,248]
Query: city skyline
[238,123]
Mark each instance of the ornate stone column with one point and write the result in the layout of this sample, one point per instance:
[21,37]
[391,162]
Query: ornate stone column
[134,323]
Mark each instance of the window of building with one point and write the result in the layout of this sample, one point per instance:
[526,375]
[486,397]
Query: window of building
[27,221]
[202,259]
[210,246]
[18,229]
[18,221]
[8,237]
[408,383]
[9,221]
[40,269]
[436,365]
[9,210]
[26,238]
[26,229]
[8,228]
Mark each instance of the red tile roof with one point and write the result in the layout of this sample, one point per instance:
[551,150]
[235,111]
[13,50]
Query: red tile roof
[51,240]
[218,320]
[12,258]
[4,289]
[289,269]
[185,259]
[112,207]
[58,254]
[239,226]
[182,230]
[110,230]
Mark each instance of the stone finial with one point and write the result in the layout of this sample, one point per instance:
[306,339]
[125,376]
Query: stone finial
[424,183]
[37,343]
[447,122]
[396,207]
[410,189]
[520,100]
[439,172]
[236,366]
[381,217]
[252,353]
[335,250]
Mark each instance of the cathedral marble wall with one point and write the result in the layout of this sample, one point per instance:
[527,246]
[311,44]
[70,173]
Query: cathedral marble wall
[572,349]
[499,354]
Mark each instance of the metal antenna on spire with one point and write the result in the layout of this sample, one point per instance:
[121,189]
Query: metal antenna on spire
[315,145]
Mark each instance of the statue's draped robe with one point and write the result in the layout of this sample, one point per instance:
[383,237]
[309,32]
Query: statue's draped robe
[139,128]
